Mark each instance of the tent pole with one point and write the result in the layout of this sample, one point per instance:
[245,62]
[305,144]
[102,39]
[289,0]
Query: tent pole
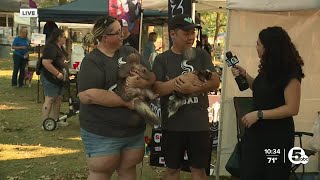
[193,11]
[222,100]
[38,85]
[140,35]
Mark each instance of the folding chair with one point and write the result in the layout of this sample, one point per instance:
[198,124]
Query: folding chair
[242,105]
[307,152]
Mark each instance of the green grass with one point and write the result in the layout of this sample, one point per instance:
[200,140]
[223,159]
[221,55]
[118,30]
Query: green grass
[29,152]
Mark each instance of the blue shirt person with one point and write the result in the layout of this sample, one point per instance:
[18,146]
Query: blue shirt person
[149,49]
[20,57]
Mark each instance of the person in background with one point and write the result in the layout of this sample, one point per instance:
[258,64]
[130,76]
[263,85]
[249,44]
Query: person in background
[129,39]
[217,52]
[205,44]
[188,129]
[52,75]
[48,28]
[74,37]
[125,31]
[20,45]
[149,48]
[112,133]
[276,98]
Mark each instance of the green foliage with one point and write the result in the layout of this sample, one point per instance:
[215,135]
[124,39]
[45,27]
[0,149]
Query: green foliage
[48,3]
[209,22]
[51,3]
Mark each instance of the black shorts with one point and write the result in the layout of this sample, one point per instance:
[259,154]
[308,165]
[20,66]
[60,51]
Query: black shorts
[197,144]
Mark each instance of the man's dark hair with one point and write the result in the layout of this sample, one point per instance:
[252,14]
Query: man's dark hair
[55,34]
[152,34]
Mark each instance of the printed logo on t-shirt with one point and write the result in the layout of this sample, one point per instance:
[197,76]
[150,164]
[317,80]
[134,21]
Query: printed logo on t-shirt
[112,87]
[121,62]
[186,67]
[189,100]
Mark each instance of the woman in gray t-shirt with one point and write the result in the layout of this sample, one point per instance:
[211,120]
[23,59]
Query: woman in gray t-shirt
[113,138]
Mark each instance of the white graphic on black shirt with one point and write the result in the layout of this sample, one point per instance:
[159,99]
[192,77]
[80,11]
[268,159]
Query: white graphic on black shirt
[187,100]
[112,87]
[186,67]
[121,62]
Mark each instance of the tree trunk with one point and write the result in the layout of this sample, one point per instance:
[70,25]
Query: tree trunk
[217,26]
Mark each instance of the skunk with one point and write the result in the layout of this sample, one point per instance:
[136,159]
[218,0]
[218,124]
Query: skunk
[141,96]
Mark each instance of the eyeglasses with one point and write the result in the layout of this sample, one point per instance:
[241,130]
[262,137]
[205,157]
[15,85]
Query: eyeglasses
[119,33]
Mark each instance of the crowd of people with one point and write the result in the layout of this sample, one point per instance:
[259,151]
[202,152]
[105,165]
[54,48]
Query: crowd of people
[112,134]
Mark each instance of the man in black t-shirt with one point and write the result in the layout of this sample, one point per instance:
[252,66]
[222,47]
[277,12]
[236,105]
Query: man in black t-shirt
[205,44]
[188,128]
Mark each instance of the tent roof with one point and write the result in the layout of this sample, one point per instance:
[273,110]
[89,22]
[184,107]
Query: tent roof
[273,5]
[77,11]
[9,5]
[82,11]
[251,5]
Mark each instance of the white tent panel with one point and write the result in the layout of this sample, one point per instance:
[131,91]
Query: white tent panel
[201,5]
[244,27]
[273,5]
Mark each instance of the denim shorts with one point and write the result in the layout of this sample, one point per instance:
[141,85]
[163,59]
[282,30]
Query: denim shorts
[96,145]
[50,89]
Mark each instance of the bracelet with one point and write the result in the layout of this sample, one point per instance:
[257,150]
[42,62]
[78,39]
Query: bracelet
[58,73]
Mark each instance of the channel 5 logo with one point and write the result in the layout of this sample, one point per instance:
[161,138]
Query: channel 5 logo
[297,156]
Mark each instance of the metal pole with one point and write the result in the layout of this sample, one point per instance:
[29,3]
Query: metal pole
[140,35]
[38,86]
[193,11]
[222,100]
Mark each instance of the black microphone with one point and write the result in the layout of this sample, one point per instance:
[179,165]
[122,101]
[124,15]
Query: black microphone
[240,79]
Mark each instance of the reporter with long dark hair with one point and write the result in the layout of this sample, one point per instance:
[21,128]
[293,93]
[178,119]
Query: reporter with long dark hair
[276,97]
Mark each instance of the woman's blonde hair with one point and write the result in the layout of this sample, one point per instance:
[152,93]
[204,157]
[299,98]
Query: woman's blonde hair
[101,27]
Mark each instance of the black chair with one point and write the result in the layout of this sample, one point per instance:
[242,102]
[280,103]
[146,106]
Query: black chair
[307,152]
[243,105]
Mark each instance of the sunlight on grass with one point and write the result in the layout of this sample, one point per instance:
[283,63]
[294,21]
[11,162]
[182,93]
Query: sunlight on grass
[6,107]
[6,73]
[75,139]
[11,152]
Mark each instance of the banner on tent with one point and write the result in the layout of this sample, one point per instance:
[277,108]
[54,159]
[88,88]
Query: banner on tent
[178,7]
[129,12]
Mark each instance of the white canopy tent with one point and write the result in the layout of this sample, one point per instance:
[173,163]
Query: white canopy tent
[246,18]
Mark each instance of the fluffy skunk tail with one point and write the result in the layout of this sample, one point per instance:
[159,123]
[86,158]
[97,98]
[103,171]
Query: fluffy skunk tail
[144,110]
[174,105]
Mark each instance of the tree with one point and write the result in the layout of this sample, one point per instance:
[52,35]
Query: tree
[50,3]
[213,23]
